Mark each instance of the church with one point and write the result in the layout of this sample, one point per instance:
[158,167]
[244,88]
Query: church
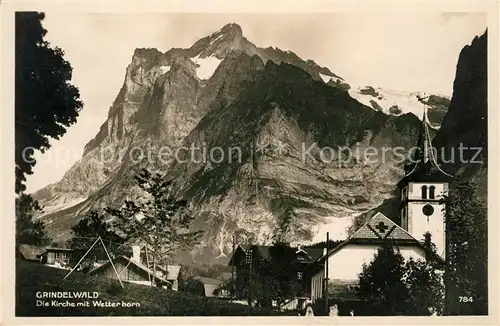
[421,191]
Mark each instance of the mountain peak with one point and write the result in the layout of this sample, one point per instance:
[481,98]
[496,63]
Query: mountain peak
[232,28]
[227,39]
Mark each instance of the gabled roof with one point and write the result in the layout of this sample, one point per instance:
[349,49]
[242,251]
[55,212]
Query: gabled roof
[30,252]
[313,253]
[377,230]
[60,249]
[381,227]
[132,262]
[263,251]
[208,280]
[172,271]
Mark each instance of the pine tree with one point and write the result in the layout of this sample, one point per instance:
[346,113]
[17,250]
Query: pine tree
[159,220]
[28,230]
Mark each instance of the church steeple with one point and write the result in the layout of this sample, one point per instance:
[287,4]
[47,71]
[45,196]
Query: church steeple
[422,190]
[425,158]
[427,142]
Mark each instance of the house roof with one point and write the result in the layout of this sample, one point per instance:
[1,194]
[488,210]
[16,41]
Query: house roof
[172,271]
[314,253]
[263,251]
[377,230]
[59,249]
[208,280]
[132,262]
[30,252]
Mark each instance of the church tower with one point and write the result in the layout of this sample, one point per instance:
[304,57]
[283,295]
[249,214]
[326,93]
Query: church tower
[422,190]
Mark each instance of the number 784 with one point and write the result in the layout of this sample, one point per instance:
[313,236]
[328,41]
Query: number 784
[465,299]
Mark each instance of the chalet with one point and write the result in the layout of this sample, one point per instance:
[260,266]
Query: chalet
[213,287]
[30,252]
[247,259]
[59,257]
[135,270]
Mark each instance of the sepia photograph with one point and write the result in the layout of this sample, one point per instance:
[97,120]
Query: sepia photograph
[251,164]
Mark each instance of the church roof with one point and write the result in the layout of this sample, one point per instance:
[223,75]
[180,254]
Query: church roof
[380,227]
[377,230]
[424,164]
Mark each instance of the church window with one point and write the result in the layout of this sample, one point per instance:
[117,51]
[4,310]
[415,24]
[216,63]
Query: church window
[432,191]
[424,192]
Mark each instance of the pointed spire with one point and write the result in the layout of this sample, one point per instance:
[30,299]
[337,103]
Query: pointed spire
[425,157]
[426,137]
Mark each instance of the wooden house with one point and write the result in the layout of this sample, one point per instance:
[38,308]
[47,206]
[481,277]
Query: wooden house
[135,270]
[248,259]
[212,287]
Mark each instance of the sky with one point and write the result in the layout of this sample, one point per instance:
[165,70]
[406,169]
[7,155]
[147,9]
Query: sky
[401,51]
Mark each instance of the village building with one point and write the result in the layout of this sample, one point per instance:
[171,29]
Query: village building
[29,252]
[213,288]
[59,257]
[247,259]
[135,270]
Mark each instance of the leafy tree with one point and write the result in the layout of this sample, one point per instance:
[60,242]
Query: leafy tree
[28,230]
[381,282]
[283,268]
[159,220]
[274,277]
[193,286]
[86,231]
[466,274]
[424,279]
[45,102]
[425,288]
[395,287]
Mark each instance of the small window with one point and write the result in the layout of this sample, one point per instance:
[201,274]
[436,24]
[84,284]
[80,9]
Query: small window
[424,192]
[299,275]
[432,191]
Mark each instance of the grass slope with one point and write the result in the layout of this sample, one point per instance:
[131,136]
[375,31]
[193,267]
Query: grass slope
[32,278]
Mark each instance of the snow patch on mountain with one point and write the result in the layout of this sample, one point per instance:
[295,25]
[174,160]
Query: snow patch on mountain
[205,67]
[388,101]
[164,69]
[327,78]
[215,39]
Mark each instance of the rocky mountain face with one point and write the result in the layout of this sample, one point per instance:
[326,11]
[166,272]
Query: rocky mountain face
[261,135]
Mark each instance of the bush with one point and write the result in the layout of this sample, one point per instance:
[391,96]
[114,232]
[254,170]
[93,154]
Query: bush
[114,289]
[194,286]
